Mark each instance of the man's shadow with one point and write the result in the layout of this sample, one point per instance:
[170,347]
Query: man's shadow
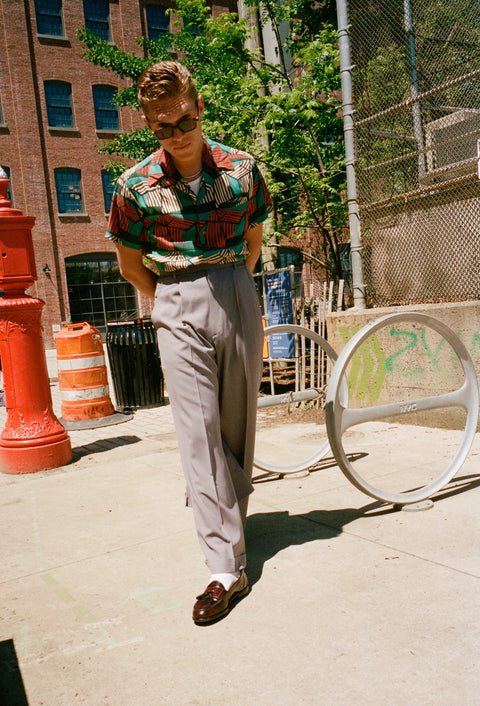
[268,533]
[12,690]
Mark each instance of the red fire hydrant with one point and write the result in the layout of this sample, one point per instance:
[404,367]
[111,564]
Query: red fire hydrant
[33,439]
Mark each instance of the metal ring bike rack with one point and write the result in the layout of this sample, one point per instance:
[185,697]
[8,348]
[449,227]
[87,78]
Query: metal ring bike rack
[340,418]
[291,397]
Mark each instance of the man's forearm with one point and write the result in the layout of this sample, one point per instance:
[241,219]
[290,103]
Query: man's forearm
[134,271]
[253,236]
[145,281]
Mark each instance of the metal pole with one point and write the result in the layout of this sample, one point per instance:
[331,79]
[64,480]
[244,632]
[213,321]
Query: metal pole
[348,131]
[417,116]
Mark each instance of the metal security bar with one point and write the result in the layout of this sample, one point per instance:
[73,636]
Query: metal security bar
[416,105]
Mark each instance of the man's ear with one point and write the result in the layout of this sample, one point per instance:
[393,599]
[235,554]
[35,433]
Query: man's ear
[201,106]
[145,120]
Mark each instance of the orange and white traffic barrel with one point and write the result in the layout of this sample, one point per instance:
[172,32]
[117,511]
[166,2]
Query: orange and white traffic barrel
[82,373]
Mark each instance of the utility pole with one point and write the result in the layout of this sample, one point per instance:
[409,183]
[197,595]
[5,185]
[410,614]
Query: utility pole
[348,131]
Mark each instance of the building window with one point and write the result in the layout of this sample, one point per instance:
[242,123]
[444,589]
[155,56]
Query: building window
[49,17]
[97,17]
[1,114]
[9,189]
[108,184]
[97,292]
[58,96]
[158,22]
[69,190]
[106,112]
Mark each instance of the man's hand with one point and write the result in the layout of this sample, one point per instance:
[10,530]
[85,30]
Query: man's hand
[134,271]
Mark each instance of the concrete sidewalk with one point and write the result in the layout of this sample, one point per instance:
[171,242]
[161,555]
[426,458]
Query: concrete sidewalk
[352,601]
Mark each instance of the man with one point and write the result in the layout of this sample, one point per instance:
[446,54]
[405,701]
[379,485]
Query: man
[187,223]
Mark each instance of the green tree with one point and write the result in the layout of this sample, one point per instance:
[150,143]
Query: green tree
[287,115]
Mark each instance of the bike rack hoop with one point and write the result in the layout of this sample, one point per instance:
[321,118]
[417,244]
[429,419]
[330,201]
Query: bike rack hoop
[339,418]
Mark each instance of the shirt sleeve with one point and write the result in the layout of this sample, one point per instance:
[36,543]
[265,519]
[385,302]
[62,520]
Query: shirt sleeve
[125,221]
[260,204]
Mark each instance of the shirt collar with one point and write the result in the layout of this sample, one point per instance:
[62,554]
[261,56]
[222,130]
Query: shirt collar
[162,168]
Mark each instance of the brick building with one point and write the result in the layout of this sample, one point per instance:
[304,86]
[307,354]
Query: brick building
[54,110]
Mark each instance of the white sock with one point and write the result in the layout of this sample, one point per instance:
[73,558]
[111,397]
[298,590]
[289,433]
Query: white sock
[227,580]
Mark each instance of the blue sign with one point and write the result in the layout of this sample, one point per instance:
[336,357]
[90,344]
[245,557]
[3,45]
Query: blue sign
[278,294]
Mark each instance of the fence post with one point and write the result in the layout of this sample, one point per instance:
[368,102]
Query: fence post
[417,117]
[347,108]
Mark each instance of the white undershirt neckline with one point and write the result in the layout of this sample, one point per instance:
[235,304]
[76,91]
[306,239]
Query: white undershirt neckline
[195,185]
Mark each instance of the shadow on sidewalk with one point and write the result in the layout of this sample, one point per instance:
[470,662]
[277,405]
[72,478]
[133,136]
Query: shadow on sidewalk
[102,445]
[322,464]
[12,691]
[268,533]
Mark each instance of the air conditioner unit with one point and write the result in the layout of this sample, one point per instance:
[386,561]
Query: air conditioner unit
[451,144]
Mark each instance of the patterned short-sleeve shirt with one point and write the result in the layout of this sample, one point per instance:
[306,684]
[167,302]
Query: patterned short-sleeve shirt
[154,210]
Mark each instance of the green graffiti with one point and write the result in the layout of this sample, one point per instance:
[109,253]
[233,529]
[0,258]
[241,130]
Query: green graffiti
[433,358]
[367,371]
[346,333]
[413,342]
[475,340]
[376,386]
[362,378]
[369,366]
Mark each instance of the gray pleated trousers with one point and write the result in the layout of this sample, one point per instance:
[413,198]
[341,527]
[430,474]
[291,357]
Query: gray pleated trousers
[210,339]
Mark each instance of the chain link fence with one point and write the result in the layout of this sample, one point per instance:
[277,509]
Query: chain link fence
[416,91]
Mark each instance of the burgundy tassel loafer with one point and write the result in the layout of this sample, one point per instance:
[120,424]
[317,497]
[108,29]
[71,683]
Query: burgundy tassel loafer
[216,602]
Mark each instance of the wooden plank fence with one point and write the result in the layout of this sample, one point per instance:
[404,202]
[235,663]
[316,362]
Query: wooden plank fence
[314,366]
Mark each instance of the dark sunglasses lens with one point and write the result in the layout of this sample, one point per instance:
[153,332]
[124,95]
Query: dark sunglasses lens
[164,132]
[187,125]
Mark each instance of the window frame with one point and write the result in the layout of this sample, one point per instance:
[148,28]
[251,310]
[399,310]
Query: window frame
[63,193]
[42,8]
[92,5]
[155,33]
[47,85]
[112,294]
[108,186]
[100,110]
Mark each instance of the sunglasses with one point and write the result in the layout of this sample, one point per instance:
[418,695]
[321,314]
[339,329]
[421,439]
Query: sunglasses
[185,125]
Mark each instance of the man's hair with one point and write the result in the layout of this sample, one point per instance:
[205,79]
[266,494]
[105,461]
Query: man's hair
[164,80]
